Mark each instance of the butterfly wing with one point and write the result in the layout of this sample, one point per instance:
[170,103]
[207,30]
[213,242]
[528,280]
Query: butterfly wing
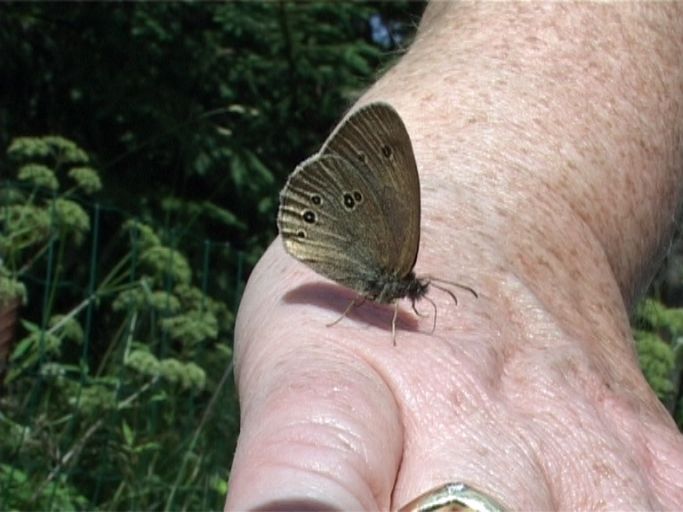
[352,212]
[330,218]
[375,139]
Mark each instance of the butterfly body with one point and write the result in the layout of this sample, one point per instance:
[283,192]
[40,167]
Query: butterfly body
[385,289]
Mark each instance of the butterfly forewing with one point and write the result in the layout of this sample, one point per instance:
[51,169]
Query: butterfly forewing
[376,140]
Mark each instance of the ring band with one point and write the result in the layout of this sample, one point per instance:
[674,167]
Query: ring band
[453,497]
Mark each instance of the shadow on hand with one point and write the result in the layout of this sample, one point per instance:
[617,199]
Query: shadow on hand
[337,298]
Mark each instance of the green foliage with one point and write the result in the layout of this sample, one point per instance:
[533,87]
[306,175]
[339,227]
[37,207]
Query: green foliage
[56,149]
[657,362]
[68,327]
[188,375]
[39,213]
[659,340]
[141,298]
[11,289]
[57,495]
[86,178]
[164,263]
[141,235]
[661,318]
[39,176]
[79,409]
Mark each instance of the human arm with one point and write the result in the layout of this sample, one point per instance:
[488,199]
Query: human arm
[548,140]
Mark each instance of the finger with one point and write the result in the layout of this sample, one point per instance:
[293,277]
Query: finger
[320,428]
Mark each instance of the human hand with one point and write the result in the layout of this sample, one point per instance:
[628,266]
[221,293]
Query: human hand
[534,192]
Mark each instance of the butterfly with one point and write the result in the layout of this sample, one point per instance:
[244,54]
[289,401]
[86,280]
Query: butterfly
[351,212]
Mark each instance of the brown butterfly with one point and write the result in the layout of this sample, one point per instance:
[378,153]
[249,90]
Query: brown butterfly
[351,212]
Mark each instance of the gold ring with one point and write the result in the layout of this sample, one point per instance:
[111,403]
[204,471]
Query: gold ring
[453,497]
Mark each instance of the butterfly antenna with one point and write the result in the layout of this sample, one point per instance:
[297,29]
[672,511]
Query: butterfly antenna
[455,299]
[453,283]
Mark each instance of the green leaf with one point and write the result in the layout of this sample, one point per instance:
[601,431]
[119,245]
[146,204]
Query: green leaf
[223,216]
[128,434]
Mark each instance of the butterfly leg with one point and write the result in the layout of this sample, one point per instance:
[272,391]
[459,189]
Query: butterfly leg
[417,312]
[423,316]
[352,305]
[434,306]
[393,323]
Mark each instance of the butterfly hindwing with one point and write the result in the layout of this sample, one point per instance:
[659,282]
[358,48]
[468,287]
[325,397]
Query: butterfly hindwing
[323,220]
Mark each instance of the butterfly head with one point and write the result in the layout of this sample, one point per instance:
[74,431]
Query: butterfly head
[416,288]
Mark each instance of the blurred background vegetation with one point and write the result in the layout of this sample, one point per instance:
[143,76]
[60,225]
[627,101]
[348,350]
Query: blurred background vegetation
[145,145]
